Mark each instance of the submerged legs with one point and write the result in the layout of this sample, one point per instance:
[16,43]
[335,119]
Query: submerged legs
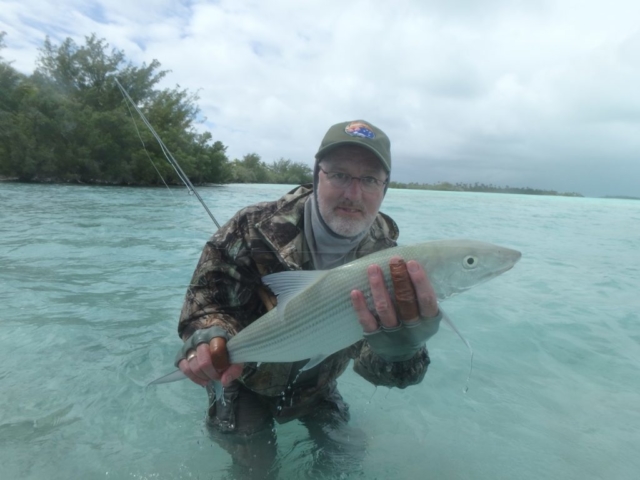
[339,447]
[244,427]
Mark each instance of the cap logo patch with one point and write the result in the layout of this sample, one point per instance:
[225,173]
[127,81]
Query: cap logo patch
[359,129]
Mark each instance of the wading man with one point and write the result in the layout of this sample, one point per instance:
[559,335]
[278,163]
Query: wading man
[319,226]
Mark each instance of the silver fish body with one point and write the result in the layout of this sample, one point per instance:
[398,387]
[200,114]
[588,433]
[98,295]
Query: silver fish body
[319,319]
[315,317]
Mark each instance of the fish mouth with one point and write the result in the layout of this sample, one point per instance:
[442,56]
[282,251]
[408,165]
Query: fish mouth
[514,257]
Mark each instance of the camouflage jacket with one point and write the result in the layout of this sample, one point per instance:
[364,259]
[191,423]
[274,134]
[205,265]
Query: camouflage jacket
[226,290]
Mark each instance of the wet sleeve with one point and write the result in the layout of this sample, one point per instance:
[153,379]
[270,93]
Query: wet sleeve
[378,371]
[223,289]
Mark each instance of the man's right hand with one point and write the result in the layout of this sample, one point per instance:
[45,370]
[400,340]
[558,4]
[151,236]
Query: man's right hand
[210,362]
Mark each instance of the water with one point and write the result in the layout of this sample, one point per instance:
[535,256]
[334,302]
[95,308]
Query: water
[92,281]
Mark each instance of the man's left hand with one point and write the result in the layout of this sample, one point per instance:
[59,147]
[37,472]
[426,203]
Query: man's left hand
[415,296]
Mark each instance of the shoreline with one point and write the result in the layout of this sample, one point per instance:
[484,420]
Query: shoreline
[105,184]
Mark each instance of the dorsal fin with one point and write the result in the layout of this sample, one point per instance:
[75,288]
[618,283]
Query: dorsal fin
[287,285]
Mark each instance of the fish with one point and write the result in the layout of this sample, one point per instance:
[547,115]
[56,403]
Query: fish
[315,318]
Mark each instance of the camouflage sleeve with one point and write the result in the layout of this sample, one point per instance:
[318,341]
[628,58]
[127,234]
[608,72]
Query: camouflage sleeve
[378,371]
[223,289]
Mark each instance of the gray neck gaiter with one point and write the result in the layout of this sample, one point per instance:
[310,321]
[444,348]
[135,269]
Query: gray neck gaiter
[328,249]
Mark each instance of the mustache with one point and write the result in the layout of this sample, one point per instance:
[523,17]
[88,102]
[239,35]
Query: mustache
[351,204]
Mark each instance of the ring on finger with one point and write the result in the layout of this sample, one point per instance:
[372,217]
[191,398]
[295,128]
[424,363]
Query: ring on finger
[191,357]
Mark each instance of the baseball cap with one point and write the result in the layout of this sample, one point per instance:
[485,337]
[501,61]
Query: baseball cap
[361,133]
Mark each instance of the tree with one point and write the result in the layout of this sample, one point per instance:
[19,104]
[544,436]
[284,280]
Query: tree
[74,125]
[287,171]
[251,169]
[12,91]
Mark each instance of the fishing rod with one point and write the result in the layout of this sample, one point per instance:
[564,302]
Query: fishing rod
[167,154]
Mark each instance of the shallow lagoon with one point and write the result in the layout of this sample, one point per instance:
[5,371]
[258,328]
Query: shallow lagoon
[92,281]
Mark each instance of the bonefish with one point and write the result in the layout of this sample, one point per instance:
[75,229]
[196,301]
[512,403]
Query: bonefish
[315,318]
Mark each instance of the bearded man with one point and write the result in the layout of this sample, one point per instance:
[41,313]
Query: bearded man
[319,226]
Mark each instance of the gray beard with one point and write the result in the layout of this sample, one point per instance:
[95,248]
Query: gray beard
[328,249]
[343,227]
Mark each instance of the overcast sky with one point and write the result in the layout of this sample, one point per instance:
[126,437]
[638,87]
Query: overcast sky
[533,93]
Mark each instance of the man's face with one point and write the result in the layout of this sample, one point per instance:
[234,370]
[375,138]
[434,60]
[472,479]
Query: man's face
[349,211]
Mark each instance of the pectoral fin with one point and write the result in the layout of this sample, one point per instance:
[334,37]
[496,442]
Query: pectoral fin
[287,285]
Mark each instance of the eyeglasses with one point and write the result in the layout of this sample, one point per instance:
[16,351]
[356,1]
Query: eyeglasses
[343,181]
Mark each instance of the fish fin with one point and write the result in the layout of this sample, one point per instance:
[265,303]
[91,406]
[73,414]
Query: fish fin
[287,285]
[219,389]
[313,361]
[449,322]
[172,377]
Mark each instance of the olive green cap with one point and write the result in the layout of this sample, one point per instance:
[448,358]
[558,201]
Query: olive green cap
[361,133]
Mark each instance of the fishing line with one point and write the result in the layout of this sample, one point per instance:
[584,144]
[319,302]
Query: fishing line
[167,154]
[144,147]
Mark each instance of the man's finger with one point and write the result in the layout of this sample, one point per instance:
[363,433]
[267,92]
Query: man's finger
[232,373]
[381,299]
[184,368]
[204,366]
[406,301]
[219,353]
[427,299]
[365,317]
[194,365]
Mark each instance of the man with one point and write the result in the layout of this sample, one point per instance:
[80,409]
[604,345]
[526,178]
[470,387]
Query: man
[336,221]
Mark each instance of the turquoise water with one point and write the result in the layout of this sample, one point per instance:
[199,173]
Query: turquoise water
[92,281]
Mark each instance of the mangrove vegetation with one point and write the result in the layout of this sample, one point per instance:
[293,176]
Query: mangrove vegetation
[68,122]
[479,187]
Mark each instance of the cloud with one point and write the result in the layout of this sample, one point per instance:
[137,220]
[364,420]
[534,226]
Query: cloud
[527,93]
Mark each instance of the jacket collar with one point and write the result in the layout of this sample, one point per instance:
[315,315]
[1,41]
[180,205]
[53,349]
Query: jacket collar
[283,230]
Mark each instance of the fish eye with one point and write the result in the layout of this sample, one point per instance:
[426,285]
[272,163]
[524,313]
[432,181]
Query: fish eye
[470,262]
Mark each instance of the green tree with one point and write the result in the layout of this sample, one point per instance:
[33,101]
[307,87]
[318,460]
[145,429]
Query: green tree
[287,171]
[73,123]
[251,169]
[13,89]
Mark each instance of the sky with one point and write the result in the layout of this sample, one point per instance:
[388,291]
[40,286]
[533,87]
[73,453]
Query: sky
[526,93]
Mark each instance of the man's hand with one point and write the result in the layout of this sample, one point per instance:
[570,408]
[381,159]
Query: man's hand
[415,296]
[210,362]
